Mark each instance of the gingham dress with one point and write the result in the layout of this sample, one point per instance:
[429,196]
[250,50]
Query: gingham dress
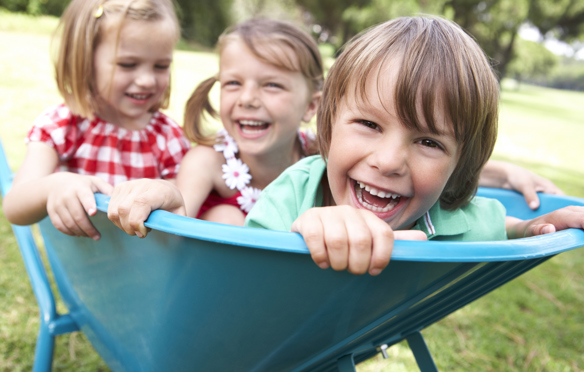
[95,147]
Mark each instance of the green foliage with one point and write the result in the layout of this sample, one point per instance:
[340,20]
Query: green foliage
[378,11]
[204,20]
[532,61]
[570,76]
[36,7]
[563,18]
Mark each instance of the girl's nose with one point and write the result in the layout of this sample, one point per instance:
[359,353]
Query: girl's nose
[146,79]
[249,97]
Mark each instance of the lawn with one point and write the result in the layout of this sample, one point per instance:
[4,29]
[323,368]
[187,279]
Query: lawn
[533,323]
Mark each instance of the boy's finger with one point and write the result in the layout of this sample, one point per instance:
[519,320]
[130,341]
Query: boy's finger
[530,195]
[540,229]
[311,230]
[360,244]
[336,241]
[409,235]
[383,238]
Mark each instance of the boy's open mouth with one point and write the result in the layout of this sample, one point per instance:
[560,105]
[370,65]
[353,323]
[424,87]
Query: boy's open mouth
[375,200]
[252,126]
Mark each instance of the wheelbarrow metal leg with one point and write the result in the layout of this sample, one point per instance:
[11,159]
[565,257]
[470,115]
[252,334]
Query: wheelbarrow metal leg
[421,352]
[346,363]
[45,345]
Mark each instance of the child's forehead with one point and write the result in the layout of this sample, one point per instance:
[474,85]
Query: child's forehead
[266,49]
[376,92]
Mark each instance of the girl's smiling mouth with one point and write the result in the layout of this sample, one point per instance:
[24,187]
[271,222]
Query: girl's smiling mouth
[382,203]
[252,128]
[139,97]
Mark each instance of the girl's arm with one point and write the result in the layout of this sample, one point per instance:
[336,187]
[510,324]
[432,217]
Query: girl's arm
[66,197]
[561,219]
[200,173]
[133,201]
[505,175]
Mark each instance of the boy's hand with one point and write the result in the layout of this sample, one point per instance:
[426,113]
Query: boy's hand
[133,201]
[70,199]
[512,177]
[561,219]
[346,238]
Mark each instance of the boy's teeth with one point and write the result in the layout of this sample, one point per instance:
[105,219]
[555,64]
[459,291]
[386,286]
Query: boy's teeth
[392,202]
[374,191]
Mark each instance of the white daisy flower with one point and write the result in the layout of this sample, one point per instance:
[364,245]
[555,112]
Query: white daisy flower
[248,198]
[228,144]
[236,174]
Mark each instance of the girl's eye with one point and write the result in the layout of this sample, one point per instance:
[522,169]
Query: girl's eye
[369,124]
[162,67]
[231,82]
[430,143]
[127,65]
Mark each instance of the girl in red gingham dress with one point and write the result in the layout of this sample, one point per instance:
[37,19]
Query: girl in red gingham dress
[113,72]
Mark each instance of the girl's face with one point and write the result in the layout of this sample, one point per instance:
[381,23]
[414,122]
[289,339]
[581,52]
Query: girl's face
[376,163]
[131,79]
[262,105]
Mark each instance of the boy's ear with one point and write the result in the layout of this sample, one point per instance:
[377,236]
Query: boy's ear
[312,107]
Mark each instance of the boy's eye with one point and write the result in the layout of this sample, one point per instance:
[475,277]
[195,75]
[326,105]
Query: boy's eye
[369,124]
[273,85]
[127,65]
[162,67]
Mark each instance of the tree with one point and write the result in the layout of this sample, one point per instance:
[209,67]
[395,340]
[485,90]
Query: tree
[532,61]
[493,23]
[203,20]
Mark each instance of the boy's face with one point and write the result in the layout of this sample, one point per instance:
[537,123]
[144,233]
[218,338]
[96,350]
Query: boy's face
[376,163]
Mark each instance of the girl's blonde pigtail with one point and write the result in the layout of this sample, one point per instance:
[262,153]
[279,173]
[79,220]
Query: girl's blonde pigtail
[195,108]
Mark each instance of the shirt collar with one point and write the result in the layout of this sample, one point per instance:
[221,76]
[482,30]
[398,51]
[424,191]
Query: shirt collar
[440,222]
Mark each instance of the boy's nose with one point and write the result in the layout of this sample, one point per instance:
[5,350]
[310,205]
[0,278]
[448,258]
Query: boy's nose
[389,159]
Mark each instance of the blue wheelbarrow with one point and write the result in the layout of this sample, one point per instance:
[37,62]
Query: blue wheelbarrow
[200,296]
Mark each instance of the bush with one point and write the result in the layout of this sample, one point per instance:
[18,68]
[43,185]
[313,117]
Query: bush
[36,7]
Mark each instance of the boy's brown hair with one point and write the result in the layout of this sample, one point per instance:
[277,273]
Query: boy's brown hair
[80,30]
[266,39]
[440,65]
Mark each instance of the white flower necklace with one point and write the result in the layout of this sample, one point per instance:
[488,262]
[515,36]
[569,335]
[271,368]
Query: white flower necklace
[236,172]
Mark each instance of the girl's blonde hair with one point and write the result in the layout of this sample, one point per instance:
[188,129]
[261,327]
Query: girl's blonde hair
[265,38]
[441,67]
[81,28]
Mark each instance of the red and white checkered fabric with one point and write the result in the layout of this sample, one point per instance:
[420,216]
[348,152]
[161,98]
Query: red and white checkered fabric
[95,147]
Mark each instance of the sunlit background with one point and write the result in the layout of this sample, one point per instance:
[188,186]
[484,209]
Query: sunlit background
[537,49]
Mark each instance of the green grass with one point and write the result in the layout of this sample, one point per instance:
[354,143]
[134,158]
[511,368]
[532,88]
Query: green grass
[533,323]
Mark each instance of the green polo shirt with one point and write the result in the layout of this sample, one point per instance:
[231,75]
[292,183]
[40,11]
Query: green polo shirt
[298,189]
